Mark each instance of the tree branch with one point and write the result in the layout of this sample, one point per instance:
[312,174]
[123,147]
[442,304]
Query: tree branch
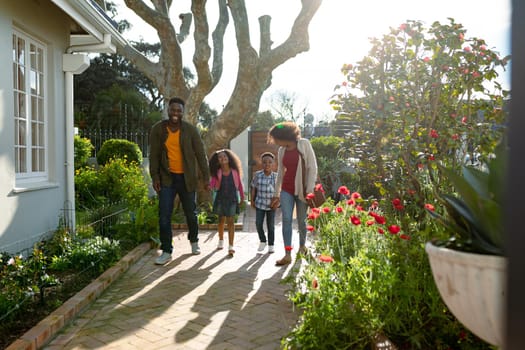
[218,42]
[297,42]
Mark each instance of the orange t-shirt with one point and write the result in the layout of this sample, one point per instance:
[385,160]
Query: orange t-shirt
[174,152]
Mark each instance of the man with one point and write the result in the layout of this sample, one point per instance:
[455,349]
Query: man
[176,155]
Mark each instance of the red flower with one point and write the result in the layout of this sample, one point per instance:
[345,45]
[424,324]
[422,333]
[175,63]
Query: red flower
[326,210]
[380,219]
[355,220]
[394,229]
[405,237]
[326,258]
[358,208]
[350,202]
[310,228]
[455,137]
[370,222]
[316,210]
[356,195]
[380,230]
[431,157]
[343,190]
[313,216]
[339,209]
[396,202]
[434,134]
[310,196]
[399,207]
[429,207]
[319,187]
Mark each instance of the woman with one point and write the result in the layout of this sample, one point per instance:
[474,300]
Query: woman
[294,153]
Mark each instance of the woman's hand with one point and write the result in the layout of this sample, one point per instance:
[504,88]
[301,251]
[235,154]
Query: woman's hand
[274,204]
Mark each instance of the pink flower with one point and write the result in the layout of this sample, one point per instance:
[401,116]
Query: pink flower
[429,207]
[358,208]
[343,190]
[426,59]
[326,258]
[350,202]
[310,228]
[356,195]
[326,210]
[310,196]
[370,222]
[319,187]
[467,49]
[339,209]
[464,120]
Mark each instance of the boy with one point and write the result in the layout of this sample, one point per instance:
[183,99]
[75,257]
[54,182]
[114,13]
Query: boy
[263,190]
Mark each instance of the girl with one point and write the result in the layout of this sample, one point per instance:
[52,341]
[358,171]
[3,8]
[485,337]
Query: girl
[226,174]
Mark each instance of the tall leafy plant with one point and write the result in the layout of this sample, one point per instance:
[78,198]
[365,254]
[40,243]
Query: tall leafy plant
[421,96]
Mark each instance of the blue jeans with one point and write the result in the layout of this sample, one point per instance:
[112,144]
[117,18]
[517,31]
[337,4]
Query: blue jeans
[270,224]
[287,205]
[166,201]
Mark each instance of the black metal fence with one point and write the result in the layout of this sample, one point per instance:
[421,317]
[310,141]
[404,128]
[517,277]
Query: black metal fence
[99,136]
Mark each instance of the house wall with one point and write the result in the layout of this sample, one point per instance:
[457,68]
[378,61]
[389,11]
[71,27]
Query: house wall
[239,145]
[31,211]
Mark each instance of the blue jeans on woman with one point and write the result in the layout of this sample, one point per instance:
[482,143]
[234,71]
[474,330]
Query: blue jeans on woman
[270,224]
[166,201]
[288,201]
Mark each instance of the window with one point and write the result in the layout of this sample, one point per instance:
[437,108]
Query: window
[30,119]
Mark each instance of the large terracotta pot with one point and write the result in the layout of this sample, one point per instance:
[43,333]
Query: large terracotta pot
[473,286]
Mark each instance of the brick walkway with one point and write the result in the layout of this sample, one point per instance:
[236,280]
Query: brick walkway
[209,301]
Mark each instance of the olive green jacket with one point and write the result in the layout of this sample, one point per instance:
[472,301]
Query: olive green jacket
[193,154]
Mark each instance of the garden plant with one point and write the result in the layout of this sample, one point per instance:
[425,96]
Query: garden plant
[423,100]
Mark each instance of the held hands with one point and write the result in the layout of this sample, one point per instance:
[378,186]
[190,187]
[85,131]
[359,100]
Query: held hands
[275,203]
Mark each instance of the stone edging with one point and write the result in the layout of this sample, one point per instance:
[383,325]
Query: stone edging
[45,330]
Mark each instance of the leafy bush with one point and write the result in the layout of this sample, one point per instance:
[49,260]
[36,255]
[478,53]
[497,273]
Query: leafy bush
[97,252]
[371,278]
[119,149]
[118,180]
[83,149]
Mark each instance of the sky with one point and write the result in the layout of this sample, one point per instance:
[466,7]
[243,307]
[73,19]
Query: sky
[339,34]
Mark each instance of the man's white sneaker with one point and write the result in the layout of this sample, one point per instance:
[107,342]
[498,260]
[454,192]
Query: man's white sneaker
[163,259]
[262,245]
[220,245]
[195,250]
[271,249]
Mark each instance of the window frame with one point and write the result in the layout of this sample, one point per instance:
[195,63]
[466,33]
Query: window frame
[30,147]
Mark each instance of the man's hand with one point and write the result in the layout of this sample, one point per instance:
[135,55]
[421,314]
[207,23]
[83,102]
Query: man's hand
[156,186]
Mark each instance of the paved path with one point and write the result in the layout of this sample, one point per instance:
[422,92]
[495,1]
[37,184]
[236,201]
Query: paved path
[209,301]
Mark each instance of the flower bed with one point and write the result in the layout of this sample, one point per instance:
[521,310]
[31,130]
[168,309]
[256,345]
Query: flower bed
[370,278]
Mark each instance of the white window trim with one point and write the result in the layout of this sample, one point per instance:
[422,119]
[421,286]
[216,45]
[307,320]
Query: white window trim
[32,180]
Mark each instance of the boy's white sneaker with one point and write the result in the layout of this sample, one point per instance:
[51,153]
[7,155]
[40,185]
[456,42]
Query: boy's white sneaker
[262,245]
[271,249]
[195,250]
[220,245]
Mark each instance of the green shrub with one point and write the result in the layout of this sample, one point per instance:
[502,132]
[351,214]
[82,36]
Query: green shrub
[98,253]
[372,278]
[83,150]
[118,180]
[119,149]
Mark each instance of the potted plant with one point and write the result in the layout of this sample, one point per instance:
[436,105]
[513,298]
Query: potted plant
[469,267]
